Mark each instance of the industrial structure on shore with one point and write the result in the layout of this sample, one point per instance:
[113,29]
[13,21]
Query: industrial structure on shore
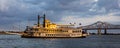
[48,29]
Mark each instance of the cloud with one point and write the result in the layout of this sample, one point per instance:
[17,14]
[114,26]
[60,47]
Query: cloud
[109,5]
[87,21]
[14,12]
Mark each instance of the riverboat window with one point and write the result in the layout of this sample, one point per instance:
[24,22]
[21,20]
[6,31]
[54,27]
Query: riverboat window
[30,29]
[36,29]
[65,31]
[80,31]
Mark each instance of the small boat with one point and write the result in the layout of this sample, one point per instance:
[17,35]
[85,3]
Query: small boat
[52,30]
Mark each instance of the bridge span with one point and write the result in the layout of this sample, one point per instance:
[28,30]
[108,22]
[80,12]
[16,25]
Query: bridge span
[100,26]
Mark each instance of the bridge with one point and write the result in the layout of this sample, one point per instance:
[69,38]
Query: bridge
[100,26]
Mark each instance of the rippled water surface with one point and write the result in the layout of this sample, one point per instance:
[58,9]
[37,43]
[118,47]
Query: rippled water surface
[92,41]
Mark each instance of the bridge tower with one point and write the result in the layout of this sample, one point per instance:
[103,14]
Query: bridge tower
[99,31]
[105,31]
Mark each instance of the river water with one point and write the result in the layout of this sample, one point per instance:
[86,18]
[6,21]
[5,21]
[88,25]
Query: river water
[92,41]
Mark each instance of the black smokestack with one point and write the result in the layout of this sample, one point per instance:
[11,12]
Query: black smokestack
[38,23]
[44,18]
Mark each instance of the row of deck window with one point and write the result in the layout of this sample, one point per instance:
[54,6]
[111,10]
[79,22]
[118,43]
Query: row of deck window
[57,35]
[56,30]
[78,31]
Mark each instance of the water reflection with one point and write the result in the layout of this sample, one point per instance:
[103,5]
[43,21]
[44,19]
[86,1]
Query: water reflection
[15,41]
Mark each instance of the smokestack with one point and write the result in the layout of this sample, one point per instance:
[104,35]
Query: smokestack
[38,24]
[44,18]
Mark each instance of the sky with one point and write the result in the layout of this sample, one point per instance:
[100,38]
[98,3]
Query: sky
[17,14]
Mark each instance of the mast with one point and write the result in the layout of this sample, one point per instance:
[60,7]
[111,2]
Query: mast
[38,23]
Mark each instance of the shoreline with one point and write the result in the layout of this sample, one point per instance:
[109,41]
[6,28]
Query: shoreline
[105,34]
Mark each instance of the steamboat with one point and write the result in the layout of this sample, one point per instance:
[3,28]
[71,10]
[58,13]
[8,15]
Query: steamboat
[52,30]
